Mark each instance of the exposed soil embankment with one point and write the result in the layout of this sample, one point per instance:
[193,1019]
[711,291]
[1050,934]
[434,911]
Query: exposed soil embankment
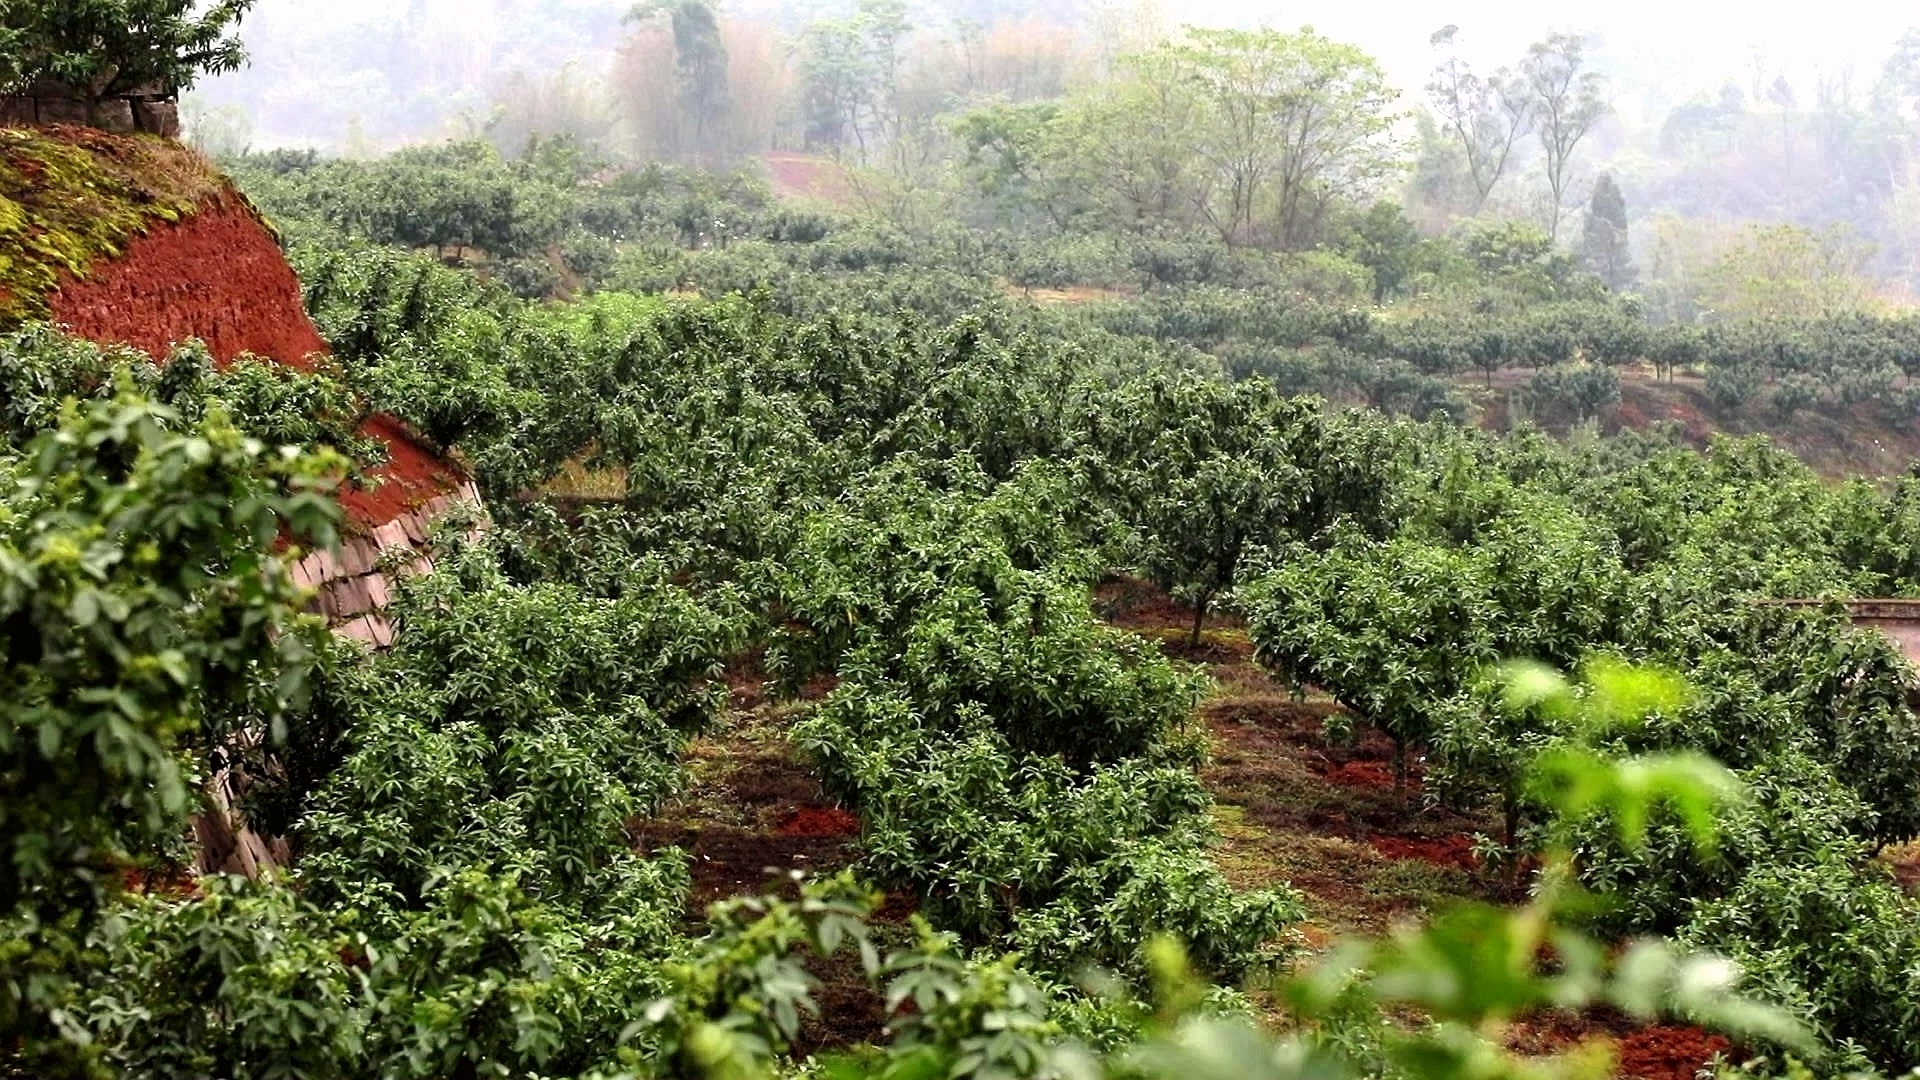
[218,275]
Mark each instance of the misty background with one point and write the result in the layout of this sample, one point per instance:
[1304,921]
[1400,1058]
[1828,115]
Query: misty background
[1718,118]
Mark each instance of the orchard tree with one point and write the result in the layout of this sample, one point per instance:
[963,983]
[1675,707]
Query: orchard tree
[101,48]
[1566,100]
[147,616]
[1389,629]
[1206,475]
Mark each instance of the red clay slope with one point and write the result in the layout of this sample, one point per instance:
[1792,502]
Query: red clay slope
[219,276]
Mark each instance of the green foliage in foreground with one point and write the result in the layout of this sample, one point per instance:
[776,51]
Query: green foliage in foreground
[145,618]
[1470,971]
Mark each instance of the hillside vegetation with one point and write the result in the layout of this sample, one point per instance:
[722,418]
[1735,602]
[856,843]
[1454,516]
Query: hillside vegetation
[886,526]
[1495,326]
[1108,593]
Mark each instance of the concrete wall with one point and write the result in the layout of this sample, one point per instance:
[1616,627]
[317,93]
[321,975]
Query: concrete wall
[1899,620]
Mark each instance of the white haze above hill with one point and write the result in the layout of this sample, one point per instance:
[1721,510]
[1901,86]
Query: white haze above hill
[1719,117]
[1658,52]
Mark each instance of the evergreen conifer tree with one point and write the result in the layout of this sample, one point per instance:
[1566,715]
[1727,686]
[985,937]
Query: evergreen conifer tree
[1603,243]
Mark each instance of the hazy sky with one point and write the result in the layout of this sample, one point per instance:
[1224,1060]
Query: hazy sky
[1682,41]
[1659,52]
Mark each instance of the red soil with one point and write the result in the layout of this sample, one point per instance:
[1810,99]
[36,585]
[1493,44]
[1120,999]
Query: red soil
[1360,774]
[219,276]
[1443,851]
[1668,1052]
[802,176]
[820,821]
[411,476]
[820,688]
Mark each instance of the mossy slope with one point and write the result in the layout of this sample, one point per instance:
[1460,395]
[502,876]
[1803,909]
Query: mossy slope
[70,197]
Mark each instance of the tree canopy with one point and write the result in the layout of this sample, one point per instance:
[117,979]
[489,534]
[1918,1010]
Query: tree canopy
[106,47]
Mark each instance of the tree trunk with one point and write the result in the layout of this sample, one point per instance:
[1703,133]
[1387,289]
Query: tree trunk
[1511,807]
[1199,619]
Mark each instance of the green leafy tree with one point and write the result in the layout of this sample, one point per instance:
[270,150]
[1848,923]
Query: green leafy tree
[1566,99]
[1387,242]
[850,69]
[1206,475]
[1791,271]
[105,47]
[1389,629]
[1290,121]
[1134,139]
[1025,156]
[146,614]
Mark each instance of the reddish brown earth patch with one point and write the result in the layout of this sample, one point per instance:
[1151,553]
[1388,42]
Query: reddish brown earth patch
[1441,851]
[217,276]
[819,688]
[802,176]
[172,882]
[778,819]
[897,907]
[1358,774]
[1548,1033]
[411,476]
[1132,604]
[1272,758]
[746,678]
[820,821]
[729,861]
[1668,1052]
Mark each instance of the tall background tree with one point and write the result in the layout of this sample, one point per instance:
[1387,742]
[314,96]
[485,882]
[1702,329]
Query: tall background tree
[1567,99]
[702,96]
[1485,116]
[1291,121]
[1604,250]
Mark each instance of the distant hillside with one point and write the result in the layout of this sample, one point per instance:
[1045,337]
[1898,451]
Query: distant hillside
[1864,441]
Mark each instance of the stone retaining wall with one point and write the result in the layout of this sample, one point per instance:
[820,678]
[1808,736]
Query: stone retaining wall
[1898,619]
[355,582]
[150,109]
